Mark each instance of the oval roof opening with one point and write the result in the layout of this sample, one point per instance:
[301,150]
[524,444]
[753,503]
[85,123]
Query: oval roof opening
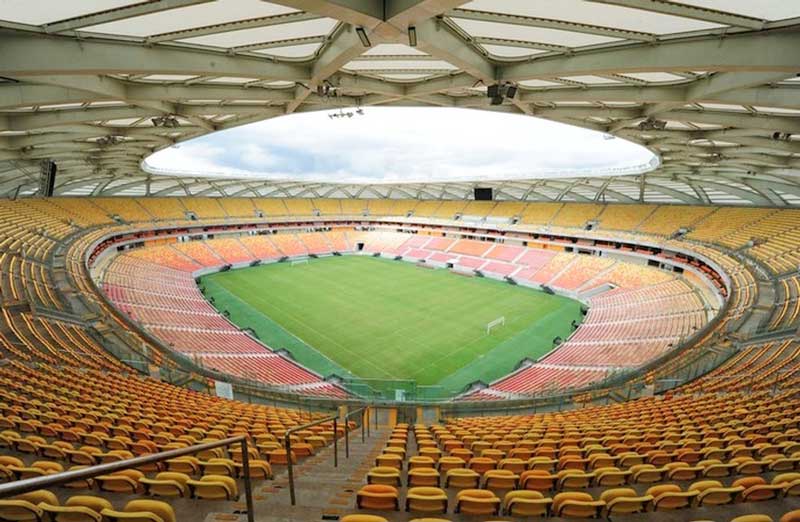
[404,144]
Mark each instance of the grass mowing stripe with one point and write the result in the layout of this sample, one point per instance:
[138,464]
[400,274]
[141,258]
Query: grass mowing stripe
[385,319]
[245,315]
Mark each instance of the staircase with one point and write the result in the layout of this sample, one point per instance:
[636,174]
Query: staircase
[322,490]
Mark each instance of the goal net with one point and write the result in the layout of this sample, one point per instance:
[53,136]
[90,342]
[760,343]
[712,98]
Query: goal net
[500,321]
[299,262]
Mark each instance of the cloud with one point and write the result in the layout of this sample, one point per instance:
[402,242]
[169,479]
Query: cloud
[401,144]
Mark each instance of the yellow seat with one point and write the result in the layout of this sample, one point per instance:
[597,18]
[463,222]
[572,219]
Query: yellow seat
[167,484]
[259,469]
[712,493]
[481,464]
[219,466]
[418,461]
[753,518]
[426,500]
[80,508]
[756,489]
[187,464]
[574,504]
[526,504]
[500,479]
[214,487]
[477,502]
[791,516]
[359,517]
[142,511]
[574,479]
[537,480]
[26,506]
[646,474]
[611,476]
[445,464]
[378,497]
[125,481]
[279,456]
[423,477]
[461,478]
[624,501]
[389,460]
[384,475]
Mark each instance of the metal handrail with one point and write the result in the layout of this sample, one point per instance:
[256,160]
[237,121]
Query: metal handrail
[363,412]
[18,487]
[287,443]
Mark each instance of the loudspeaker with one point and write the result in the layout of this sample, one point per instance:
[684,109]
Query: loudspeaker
[483,194]
[47,178]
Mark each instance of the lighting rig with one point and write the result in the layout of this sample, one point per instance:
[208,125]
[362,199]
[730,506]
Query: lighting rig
[500,91]
[168,120]
[652,124]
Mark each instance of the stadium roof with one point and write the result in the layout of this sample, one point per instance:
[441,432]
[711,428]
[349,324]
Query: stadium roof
[710,86]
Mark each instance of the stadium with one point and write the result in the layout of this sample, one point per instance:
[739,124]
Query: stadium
[617,341]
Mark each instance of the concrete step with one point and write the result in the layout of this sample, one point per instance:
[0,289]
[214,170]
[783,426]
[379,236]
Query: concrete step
[320,487]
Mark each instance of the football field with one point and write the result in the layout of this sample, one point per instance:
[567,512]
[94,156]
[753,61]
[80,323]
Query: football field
[375,318]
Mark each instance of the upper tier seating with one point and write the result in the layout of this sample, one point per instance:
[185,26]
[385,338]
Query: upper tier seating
[164,208]
[204,208]
[623,217]
[669,218]
[576,215]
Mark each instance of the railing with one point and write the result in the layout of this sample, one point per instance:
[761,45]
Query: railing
[288,447]
[18,487]
[363,412]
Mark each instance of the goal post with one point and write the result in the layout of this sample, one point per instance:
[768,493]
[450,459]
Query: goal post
[299,262]
[500,321]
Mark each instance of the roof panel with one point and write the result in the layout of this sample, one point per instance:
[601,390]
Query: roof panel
[37,13]
[722,107]
[776,110]
[362,65]
[232,79]
[539,83]
[167,77]
[504,51]
[405,76]
[589,13]
[319,27]
[588,79]
[656,77]
[292,51]
[212,13]
[761,9]
[530,34]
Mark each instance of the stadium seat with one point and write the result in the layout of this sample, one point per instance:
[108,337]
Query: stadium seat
[426,499]
[423,477]
[378,497]
[142,511]
[27,506]
[526,504]
[384,475]
[623,501]
[79,508]
[576,505]
[477,502]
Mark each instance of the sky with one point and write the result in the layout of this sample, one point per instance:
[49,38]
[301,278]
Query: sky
[395,144]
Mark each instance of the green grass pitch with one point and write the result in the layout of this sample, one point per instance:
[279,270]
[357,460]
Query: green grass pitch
[383,319]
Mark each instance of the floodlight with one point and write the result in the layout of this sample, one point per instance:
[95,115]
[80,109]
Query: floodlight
[362,35]
[412,36]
